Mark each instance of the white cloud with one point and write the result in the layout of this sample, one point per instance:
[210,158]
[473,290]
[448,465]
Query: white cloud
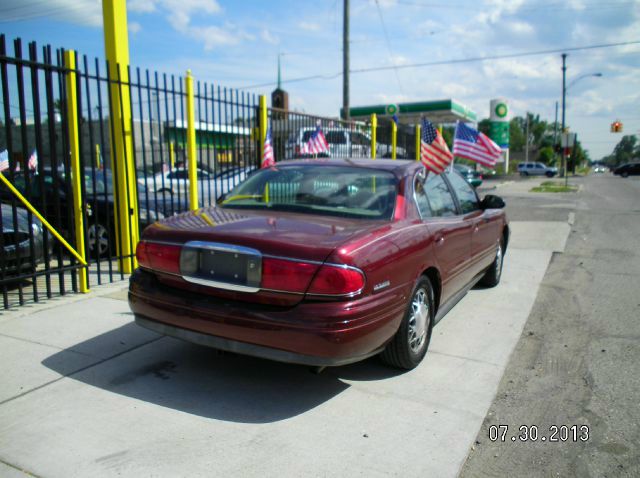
[141,6]
[267,36]
[134,27]
[80,12]
[520,28]
[310,27]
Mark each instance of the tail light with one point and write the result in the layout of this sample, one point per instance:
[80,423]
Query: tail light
[288,276]
[479,176]
[337,280]
[159,257]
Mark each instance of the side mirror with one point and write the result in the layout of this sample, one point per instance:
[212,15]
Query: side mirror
[492,202]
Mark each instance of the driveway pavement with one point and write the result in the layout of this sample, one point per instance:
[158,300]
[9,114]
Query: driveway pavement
[85,392]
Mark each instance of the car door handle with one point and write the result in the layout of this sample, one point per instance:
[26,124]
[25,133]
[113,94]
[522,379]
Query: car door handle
[439,239]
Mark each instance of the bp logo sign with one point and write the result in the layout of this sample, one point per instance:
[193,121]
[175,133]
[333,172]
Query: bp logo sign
[391,110]
[501,110]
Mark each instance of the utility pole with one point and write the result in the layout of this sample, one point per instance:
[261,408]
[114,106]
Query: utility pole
[345,62]
[555,134]
[564,107]
[526,149]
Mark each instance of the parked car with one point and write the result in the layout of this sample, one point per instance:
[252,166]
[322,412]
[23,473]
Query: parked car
[176,181]
[472,176]
[17,256]
[629,169]
[321,262]
[537,169]
[99,204]
[343,143]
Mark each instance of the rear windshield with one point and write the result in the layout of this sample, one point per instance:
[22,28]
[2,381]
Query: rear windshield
[344,191]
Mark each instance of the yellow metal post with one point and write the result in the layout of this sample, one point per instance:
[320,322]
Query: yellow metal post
[172,155]
[374,130]
[77,176]
[116,42]
[262,124]
[394,139]
[418,141]
[98,158]
[191,143]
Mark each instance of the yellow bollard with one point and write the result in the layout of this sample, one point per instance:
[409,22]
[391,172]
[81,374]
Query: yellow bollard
[77,176]
[394,139]
[418,141]
[116,43]
[262,124]
[191,143]
[374,130]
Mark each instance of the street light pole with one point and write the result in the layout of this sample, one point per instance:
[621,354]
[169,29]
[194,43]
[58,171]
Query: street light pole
[564,97]
[345,62]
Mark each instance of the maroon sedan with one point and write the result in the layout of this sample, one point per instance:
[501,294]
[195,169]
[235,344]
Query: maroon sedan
[321,262]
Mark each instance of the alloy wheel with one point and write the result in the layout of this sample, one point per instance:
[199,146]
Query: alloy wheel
[419,320]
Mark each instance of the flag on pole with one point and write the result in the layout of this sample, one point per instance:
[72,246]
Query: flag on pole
[475,146]
[317,143]
[434,153]
[4,160]
[32,164]
[268,159]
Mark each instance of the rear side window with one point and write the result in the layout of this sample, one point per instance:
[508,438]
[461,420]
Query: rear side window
[421,198]
[466,195]
[336,137]
[440,199]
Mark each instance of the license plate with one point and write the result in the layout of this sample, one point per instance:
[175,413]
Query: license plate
[221,265]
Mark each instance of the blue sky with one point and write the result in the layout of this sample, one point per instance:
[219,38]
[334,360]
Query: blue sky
[236,44]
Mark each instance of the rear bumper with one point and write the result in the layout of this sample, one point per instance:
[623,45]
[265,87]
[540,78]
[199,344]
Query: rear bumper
[310,333]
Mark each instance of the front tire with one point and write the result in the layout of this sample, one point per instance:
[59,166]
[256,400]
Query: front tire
[624,174]
[410,343]
[491,278]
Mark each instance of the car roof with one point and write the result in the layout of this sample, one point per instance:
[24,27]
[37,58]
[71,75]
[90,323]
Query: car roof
[399,167]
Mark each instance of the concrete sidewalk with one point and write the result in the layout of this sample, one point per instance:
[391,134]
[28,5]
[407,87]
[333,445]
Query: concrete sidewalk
[85,392]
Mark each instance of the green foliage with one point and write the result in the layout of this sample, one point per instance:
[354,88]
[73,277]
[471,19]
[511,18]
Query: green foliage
[627,150]
[546,155]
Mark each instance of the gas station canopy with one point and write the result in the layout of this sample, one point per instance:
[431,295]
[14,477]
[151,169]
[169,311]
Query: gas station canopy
[438,112]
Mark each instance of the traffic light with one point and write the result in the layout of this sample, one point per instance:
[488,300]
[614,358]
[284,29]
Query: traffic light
[616,127]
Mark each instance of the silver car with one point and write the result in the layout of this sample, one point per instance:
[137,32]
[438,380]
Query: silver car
[536,169]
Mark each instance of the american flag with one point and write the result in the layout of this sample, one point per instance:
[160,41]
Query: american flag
[4,160]
[317,143]
[434,153]
[32,164]
[471,144]
[268,159]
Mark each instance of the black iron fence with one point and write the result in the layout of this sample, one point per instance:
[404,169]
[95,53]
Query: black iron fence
[126,131]
[35,160]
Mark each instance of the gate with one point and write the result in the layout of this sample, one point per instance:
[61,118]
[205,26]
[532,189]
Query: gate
[58,108]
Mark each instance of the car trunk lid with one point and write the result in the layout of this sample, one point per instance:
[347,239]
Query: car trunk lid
[229,253]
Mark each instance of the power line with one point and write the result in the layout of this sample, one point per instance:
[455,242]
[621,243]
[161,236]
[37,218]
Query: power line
[386,37]
[449,62]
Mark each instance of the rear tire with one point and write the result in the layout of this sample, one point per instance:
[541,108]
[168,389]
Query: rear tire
[410,343]
[524,173]
[491,278]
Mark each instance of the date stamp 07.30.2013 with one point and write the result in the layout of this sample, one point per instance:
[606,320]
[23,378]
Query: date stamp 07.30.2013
[534,433]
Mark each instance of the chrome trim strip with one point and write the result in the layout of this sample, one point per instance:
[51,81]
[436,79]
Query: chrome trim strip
[219,246]
[221,285]
[247,250]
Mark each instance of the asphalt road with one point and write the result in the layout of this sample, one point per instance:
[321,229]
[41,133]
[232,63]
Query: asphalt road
[577,360]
